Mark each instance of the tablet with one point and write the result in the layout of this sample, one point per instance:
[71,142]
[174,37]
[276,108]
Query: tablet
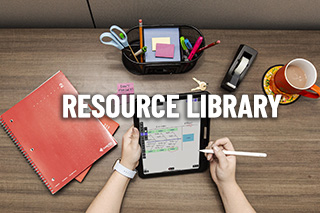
[171,145]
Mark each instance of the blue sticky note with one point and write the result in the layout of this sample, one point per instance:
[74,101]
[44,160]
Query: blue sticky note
[172,32]
[188,137]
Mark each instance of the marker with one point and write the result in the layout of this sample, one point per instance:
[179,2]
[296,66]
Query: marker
[188,44]
[142,50]
[195,48]
[141,38]
[207,46]
[183,45]
[249,154]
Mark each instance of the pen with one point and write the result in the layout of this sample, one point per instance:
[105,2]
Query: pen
[133,54]
[188,44]
[250,154]
[141,38]
[195,48]
[122,36]
[183,45]
[142,50]
[207,46]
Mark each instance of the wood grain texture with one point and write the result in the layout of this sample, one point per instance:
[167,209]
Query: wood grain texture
[287,181]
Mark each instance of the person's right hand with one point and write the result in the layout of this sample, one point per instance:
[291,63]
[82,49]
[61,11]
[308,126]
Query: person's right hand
[222,167]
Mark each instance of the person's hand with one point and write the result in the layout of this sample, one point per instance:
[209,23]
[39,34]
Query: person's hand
[131,149]
[222,167]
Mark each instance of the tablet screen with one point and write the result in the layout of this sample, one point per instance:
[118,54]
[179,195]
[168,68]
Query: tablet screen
[171,144]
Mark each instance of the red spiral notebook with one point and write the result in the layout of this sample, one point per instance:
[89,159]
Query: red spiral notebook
[112,127]
[58,149]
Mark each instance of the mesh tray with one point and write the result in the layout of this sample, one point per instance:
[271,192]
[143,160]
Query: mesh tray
[146,68]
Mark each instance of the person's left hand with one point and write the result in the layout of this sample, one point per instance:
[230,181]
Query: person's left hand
[131,149]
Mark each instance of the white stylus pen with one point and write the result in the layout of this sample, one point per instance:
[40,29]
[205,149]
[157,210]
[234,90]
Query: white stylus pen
[251,154]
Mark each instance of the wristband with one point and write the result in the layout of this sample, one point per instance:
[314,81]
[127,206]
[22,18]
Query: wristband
[124,170]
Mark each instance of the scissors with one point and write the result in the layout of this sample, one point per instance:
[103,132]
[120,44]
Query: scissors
[116,41]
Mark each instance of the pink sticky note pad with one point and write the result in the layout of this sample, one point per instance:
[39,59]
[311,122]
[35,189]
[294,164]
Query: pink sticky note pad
[165,50]
[125,88]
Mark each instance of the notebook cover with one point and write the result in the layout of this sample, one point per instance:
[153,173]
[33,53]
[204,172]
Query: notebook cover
[109,124]
[172,32]
[83,174]
[58,149]
[112,127]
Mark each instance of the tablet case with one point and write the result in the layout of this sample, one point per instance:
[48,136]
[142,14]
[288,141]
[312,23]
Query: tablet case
[58,149]
[204,140]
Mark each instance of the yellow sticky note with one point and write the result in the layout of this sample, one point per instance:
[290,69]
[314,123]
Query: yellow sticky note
[161,40]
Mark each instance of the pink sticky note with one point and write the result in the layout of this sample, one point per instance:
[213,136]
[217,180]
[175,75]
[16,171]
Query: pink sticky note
[125,88]
[165,50]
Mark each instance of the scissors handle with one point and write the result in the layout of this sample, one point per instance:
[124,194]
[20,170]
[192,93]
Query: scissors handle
[113,41]
[123,41]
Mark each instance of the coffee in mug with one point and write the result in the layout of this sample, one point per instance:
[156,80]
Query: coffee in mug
[296,77]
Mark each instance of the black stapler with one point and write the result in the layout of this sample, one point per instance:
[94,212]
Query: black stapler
[239,67]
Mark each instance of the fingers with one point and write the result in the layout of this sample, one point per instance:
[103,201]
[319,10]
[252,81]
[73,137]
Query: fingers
[129,132]
[135,136]
[220,156]
[209,155]
[127,136]
[225,142]
[131,136]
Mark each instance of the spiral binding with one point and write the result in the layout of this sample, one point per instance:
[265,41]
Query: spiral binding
[24,153]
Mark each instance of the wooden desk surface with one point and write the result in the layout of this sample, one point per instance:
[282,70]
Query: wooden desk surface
[287,181]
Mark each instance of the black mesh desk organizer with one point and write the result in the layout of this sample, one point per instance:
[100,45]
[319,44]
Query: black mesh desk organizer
[146,68]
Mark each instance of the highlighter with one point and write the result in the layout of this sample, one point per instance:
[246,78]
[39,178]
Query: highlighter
[188,44]
[195,48]
[183,45]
